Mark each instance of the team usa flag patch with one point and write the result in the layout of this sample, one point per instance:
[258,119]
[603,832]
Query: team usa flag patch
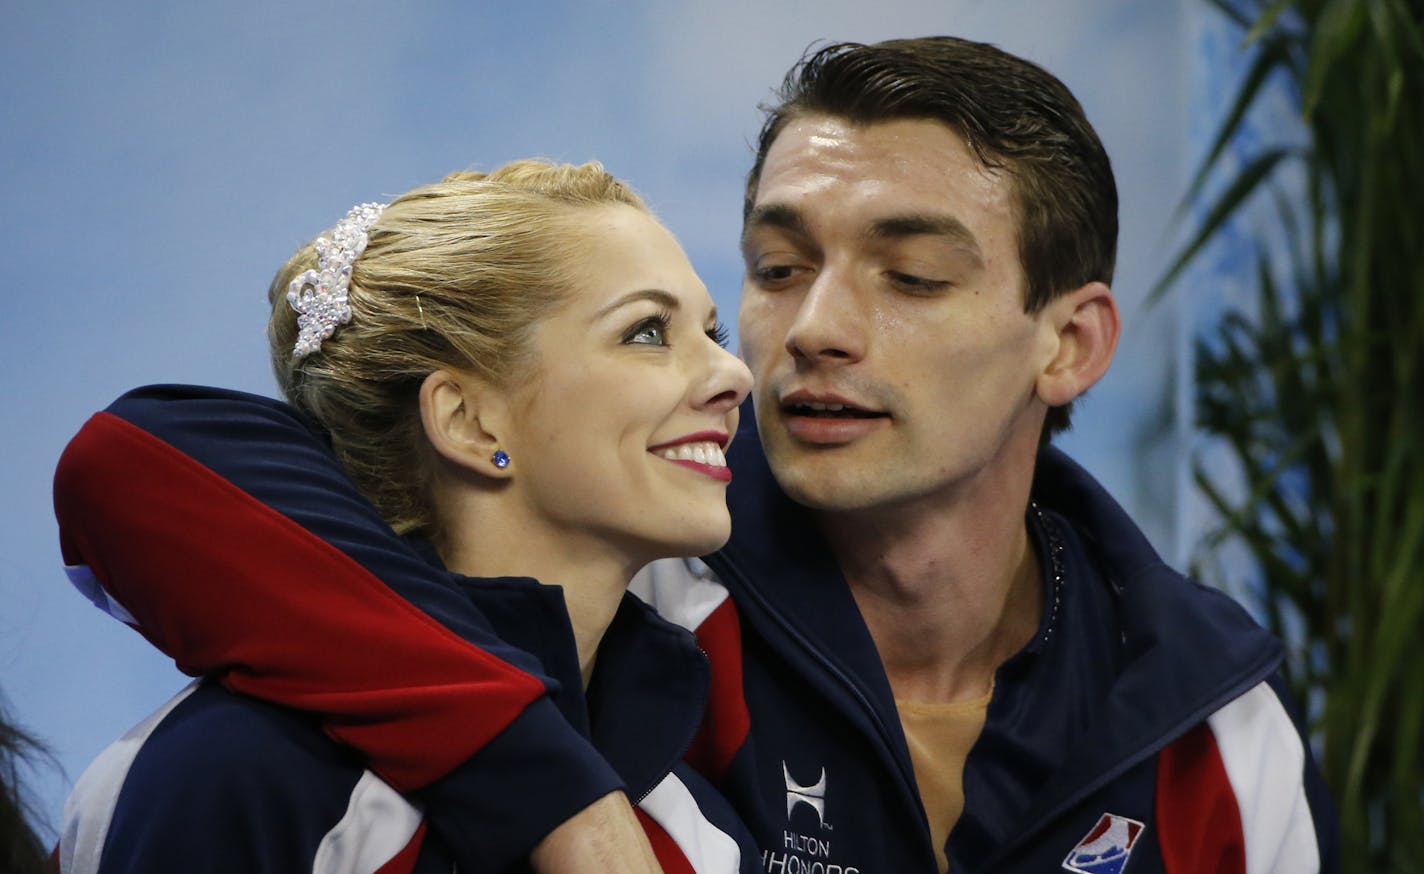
[1105,849]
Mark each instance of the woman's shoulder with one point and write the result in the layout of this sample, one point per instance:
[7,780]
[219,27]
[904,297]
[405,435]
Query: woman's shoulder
[213,774]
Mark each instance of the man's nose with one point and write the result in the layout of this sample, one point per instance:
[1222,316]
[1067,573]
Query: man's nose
[830,324]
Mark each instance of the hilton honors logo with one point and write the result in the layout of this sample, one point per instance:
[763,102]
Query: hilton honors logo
[813,796]
[801,853]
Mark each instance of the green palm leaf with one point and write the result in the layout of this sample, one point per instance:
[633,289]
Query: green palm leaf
[1317,394]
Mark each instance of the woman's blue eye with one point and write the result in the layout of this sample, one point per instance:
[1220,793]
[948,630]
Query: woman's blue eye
[719,334]
[651,331]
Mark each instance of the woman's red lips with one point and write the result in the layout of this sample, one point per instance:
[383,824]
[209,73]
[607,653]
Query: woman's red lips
[702,452]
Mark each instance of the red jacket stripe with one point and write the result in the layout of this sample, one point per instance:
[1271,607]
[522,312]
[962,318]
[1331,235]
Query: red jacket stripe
[726,723]
[1199,827]
[670,858]
[423,682]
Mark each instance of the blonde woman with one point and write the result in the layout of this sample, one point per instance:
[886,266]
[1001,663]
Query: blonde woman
[523,376]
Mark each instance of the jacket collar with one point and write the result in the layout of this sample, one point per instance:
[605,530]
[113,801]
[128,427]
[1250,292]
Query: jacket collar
[784,565]
[646,697]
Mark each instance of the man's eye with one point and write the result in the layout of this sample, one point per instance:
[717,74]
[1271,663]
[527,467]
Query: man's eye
[916,283]
[651,331]
[773,274]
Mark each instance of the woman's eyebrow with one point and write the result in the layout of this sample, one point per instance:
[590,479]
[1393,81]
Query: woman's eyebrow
[656,295]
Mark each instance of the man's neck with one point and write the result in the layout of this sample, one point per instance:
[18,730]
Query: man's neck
[949,594]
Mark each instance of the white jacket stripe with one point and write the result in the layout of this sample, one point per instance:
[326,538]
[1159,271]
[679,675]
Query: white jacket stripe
[378,824]
[1264,759]
[90,807]
[709,849]
[83,579]
[684,591]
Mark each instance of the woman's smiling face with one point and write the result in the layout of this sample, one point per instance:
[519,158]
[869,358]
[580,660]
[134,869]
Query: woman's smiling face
[620,435]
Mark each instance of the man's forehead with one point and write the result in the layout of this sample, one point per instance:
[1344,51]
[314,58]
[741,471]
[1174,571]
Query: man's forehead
[901,177]
[832,136]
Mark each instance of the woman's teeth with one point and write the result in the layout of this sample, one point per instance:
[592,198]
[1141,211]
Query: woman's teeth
[703,453]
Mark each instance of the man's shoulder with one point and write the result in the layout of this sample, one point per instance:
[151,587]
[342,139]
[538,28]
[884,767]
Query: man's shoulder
[1119,550]
[1166,623]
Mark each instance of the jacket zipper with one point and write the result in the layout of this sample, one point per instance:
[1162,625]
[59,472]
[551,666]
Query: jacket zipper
[907,780]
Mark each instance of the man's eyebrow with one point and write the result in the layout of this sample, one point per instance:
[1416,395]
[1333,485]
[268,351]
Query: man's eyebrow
[916,225]
[775,215]
[657,295]
[789,218]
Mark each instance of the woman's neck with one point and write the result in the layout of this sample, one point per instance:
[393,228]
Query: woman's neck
[592,572]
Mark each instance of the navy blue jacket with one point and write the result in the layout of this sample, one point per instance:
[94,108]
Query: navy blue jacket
[217,781]
[473,712]
[1145,723]
[1143,728]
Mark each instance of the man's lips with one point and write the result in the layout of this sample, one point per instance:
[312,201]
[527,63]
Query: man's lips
[809,401]
[828,419]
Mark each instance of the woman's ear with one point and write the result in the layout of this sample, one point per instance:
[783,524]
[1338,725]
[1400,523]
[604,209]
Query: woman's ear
[463,418]
[1087,326]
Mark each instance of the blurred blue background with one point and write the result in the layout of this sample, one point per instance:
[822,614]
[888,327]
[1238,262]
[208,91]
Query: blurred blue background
[162,159]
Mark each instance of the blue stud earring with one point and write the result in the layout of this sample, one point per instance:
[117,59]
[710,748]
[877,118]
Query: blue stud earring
[500,459]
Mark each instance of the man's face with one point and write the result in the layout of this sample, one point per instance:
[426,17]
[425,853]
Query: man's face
[882,316]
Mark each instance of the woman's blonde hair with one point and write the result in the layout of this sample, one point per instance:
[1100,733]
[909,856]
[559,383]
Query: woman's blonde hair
[455,275]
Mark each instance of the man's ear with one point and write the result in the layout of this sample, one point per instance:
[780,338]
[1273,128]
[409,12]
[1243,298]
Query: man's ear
[464,417]
[1087,326]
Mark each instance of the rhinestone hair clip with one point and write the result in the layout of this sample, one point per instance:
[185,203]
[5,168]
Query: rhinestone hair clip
[319,296]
